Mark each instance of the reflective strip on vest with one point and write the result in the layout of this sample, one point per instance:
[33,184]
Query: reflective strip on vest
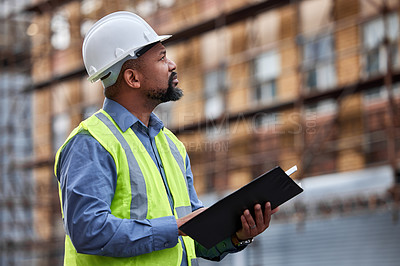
[177,155]
[138,184]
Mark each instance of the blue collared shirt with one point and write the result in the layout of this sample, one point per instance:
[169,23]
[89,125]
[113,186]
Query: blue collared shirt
[88,178]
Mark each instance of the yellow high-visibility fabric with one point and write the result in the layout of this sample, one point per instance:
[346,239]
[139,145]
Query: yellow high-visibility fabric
[157,198]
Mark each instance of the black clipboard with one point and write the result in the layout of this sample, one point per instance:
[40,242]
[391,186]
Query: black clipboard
[222,219]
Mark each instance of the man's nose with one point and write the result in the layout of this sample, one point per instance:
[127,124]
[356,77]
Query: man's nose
[171,65]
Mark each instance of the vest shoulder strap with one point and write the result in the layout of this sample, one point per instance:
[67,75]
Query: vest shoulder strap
[177,142]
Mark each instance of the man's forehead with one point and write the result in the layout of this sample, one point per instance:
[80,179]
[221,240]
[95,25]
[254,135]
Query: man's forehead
[160,48]
[155,51]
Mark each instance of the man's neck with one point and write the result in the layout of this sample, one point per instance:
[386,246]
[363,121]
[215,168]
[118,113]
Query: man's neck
[139,109]
[137,103]
[142,116]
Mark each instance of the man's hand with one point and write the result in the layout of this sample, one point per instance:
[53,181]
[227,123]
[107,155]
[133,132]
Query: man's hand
[252,227]
[186,218]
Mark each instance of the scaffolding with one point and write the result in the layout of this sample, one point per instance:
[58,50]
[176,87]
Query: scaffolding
[17,196]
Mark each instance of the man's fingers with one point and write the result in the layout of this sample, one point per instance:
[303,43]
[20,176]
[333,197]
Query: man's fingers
[259,217]
[253,226]
[250,221]
[267,214]
[275,210]
[249,218]
[245,225]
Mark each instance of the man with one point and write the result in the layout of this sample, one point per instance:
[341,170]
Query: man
[125,180]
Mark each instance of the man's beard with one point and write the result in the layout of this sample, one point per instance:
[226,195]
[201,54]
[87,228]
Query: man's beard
[172,94]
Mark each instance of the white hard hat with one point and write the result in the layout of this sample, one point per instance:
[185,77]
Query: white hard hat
[111,41]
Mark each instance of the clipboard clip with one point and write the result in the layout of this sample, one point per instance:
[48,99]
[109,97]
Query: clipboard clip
[291,170]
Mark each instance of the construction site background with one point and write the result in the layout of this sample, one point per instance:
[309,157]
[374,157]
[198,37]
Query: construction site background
[312,83]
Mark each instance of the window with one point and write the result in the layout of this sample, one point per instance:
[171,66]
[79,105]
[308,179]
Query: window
[61,128]
[396,90]
[146,8]
[375,53]
[266,70]
[166,3]
[90,6]
[215,132]
[85,26]
[321,108]
[214,93]
[380,94]
[318,63]
[61,37]
[267,122]
[373,95]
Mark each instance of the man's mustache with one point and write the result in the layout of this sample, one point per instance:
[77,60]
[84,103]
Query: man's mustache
[173,76]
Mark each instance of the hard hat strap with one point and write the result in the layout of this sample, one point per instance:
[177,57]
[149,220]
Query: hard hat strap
[112,73]
[144,49]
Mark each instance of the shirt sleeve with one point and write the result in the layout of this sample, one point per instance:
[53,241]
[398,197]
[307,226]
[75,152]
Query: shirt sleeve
[219,251]
[87,176]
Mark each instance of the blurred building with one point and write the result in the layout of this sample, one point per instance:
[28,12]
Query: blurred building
[17,195]
[314,83]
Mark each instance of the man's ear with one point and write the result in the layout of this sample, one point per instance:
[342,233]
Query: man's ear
[131,78]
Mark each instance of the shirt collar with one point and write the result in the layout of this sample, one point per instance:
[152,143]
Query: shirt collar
[125,119]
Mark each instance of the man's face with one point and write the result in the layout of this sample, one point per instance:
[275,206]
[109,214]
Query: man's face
[159,80]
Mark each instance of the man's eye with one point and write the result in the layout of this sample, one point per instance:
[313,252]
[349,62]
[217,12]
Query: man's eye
[162,58]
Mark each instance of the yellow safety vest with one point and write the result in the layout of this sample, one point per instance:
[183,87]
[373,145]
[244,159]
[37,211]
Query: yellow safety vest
[140,192]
